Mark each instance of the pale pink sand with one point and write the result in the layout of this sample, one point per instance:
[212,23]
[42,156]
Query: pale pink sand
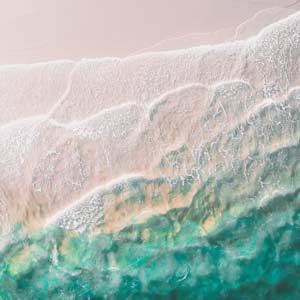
[35,30]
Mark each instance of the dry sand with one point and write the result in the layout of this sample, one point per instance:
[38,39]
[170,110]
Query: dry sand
[36,31]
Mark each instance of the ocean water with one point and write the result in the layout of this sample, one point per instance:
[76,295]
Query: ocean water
[255,255]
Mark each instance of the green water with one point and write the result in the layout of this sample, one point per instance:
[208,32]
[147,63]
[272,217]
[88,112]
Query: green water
[255,255]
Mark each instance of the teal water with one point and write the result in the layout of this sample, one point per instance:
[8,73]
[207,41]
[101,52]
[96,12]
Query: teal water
[255,255]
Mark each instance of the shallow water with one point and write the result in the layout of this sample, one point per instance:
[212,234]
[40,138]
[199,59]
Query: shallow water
[257,253]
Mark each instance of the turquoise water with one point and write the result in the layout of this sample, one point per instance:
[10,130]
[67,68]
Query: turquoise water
[253,256]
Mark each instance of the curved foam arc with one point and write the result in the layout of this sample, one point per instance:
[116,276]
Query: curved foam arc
[163,45]
[67,90]
[113,183]
[245,29]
